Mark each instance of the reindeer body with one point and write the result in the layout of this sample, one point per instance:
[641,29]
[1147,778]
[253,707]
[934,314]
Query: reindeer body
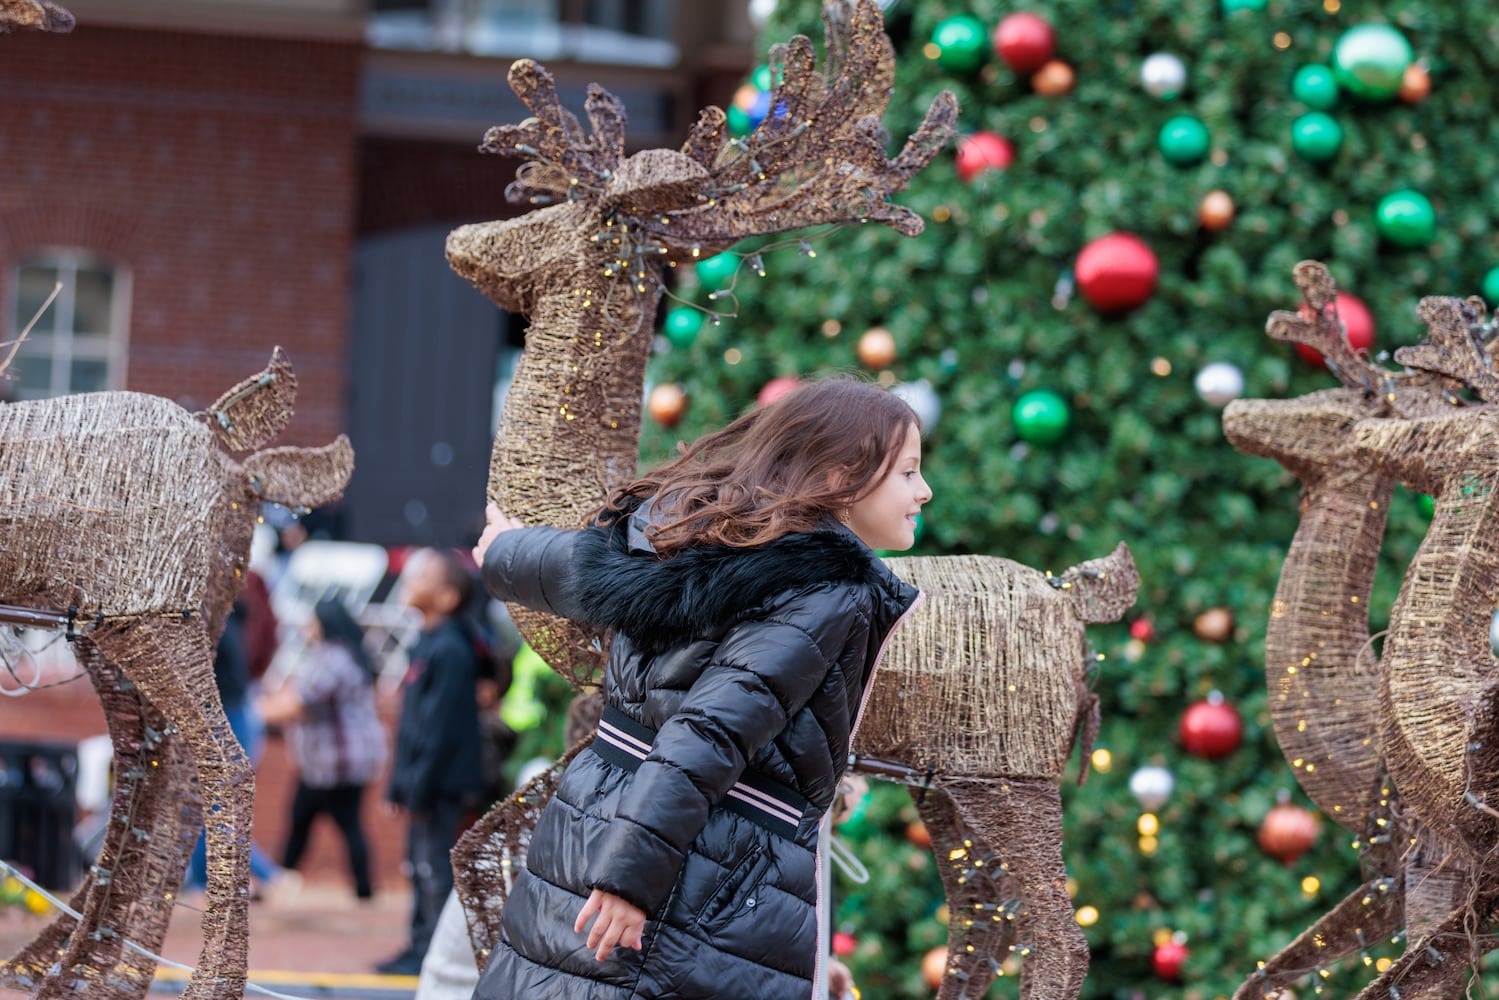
[134,526]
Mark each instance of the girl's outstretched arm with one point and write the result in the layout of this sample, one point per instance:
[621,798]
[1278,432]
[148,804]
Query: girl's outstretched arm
[527,565]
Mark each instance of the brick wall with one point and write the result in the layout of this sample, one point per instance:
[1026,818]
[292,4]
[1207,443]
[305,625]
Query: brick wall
[220,172]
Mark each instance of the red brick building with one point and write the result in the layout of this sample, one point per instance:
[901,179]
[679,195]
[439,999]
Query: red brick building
[210,178]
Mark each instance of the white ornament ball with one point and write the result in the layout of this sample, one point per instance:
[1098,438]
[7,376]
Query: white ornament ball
[1494,632]
[760,11]
[1163,75]
[1219,383]
[921,397]
[1151,786]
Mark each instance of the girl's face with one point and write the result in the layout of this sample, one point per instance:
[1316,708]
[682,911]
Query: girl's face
[886,517]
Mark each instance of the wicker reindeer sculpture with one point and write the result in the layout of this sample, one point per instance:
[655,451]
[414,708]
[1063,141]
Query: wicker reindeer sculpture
[1320,663]
[588,269]
[33,15]
[128,525]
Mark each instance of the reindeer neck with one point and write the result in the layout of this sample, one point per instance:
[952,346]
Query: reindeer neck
[1316,644]
[1439,666]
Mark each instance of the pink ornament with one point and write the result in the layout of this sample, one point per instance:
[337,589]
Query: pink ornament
[1117,272]
[1024,41]
[983,151]
[776,388]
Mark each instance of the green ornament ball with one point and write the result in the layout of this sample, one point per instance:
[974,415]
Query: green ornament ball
[1491,287]
[1316,136]
[962,43]
[1315,86]
[739,121]
[761,77]
[682,326]
[1041,417]
[1229,6]
[1406,218]
[715,272]
[1370,60]
[1183,140]
[1427,505]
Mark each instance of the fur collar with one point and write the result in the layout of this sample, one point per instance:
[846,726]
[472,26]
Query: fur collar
[659,603]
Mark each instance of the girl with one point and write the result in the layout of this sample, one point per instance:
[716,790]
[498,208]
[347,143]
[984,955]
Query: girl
[747,610]
[336,736]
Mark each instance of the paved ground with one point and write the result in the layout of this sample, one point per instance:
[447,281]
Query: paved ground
[320,942]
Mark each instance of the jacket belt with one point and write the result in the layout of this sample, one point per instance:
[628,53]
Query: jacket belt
[624,742]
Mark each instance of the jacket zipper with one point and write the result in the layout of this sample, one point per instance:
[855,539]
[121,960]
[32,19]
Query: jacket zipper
[825,829]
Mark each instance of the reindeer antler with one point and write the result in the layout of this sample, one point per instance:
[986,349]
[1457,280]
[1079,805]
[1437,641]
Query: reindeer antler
[1323,331]
[819,155]
[41,15]
[560,159]
[1454,347]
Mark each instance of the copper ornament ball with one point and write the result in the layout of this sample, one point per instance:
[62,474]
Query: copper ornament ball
[1287,832]
[666,404]
[934,966]
[1054,79]
[1214,625]
[1415,84]
[877,348]
[1216,210]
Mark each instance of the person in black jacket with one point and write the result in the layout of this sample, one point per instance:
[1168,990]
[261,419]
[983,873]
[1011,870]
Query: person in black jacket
[437,769]
[747,612]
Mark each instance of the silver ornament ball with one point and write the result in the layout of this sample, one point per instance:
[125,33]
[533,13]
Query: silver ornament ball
[1151,786]
[921,397]
[1163,75]
[1219,383]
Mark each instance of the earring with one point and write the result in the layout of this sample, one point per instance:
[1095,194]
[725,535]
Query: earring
[843,515]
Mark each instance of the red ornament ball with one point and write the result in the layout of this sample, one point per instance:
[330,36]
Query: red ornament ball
[1211,729]
[934,966]
[983,151]
[1167,960]
[1358,323]
[666,404]
[1117,272]
[1142,629]
[1287,832]
[844,944]
[776,388]
[1024,41]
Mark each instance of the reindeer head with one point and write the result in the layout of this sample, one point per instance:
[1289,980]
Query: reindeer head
[1312,435]
[817,159]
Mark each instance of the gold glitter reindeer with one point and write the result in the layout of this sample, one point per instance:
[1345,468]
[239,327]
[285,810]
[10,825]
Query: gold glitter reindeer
[1320,663]
[587,268]
[127,523]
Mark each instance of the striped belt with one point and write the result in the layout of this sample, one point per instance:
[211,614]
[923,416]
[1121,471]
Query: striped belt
[624,742]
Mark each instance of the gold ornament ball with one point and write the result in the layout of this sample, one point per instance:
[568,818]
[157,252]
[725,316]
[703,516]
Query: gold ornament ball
[877,348]
[1054,79]
[1415,84]
[934,966]
[1214,625]
[1216,210]
[666,404]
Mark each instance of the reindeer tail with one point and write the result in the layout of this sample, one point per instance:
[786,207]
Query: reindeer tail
[1103,589]
[257,409]
[302,478]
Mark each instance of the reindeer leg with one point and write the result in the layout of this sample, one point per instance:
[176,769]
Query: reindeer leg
[1365,916]
[1436,967]
[127,892]
[170,660]
[980,923]
[1025,815]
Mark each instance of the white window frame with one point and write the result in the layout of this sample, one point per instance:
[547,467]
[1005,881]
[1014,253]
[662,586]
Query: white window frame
[57,327]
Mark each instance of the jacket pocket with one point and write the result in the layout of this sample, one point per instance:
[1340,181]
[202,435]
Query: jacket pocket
[735,892]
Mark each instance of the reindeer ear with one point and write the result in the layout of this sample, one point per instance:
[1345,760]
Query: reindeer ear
[1103,589]
[257,409]
[302,477]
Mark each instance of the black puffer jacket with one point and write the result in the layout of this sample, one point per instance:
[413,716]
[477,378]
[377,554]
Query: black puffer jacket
[744,666]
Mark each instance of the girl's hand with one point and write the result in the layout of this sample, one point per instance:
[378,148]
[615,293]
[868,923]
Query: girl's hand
[619,923]
[496,523]
[840,981]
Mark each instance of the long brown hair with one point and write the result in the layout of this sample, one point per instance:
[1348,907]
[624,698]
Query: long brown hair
[778,469]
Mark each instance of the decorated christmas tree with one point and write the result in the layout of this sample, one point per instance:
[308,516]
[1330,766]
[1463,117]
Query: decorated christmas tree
[1136,182]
